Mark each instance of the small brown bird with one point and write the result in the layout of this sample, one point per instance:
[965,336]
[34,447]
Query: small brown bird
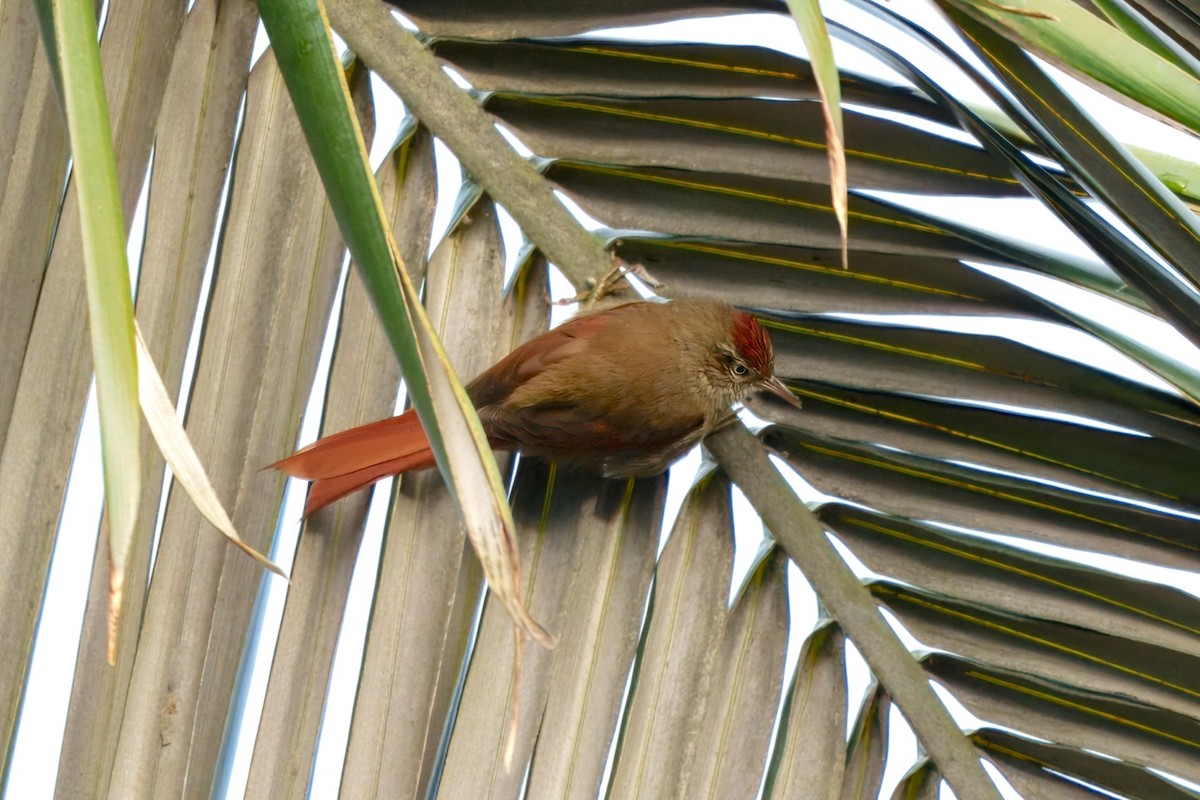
[621,392]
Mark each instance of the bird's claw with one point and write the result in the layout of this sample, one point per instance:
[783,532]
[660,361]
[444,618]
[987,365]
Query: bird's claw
[609,284]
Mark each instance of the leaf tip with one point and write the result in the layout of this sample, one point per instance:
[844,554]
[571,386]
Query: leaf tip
[116,596]
[514,709]
[539,634]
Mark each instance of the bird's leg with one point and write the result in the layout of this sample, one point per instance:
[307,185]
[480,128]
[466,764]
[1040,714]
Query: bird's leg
[728,418]
[640,271]
[607,285]
[579,297]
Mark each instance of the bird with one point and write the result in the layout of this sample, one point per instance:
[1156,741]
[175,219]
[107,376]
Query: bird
[621,392]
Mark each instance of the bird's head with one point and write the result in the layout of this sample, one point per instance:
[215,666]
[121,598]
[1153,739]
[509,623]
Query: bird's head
[745,363]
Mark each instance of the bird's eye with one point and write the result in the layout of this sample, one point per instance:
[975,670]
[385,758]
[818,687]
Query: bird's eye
[740,369]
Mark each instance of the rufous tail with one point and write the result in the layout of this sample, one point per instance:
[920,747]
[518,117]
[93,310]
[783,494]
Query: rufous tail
[344,462]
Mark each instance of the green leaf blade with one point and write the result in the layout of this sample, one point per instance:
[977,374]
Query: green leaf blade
[304,46]
[110,300]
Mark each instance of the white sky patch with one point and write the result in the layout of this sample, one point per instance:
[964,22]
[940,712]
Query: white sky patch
[513,240]
[514,142]
[1183,580]
[585,219]
[761,30]
[961,714]
[858,681]
[1114,498]
[1006,789]
[348,657]
[1044,414]
[1131,321]
[1093,787]
[255,670]
[1055,339]
[901,753]
[1134,128]
[389,112]
[261,43]
[856,565]
[749,532]
[808,493]
[920,123]
[33,767]
[1003,215]
[902,633]
[457,77]
[449,179]
[1190,785]
[1128,232]
[404,21]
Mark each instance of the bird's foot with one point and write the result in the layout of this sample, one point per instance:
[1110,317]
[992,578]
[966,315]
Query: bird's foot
[610,283]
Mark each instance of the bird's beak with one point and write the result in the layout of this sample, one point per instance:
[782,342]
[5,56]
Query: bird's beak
[779,389]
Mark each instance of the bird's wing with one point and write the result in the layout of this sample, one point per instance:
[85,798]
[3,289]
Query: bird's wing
[532,358]
[566,425]
[577,433]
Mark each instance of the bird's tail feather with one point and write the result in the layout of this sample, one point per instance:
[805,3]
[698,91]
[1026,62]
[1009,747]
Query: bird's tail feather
[345,462]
